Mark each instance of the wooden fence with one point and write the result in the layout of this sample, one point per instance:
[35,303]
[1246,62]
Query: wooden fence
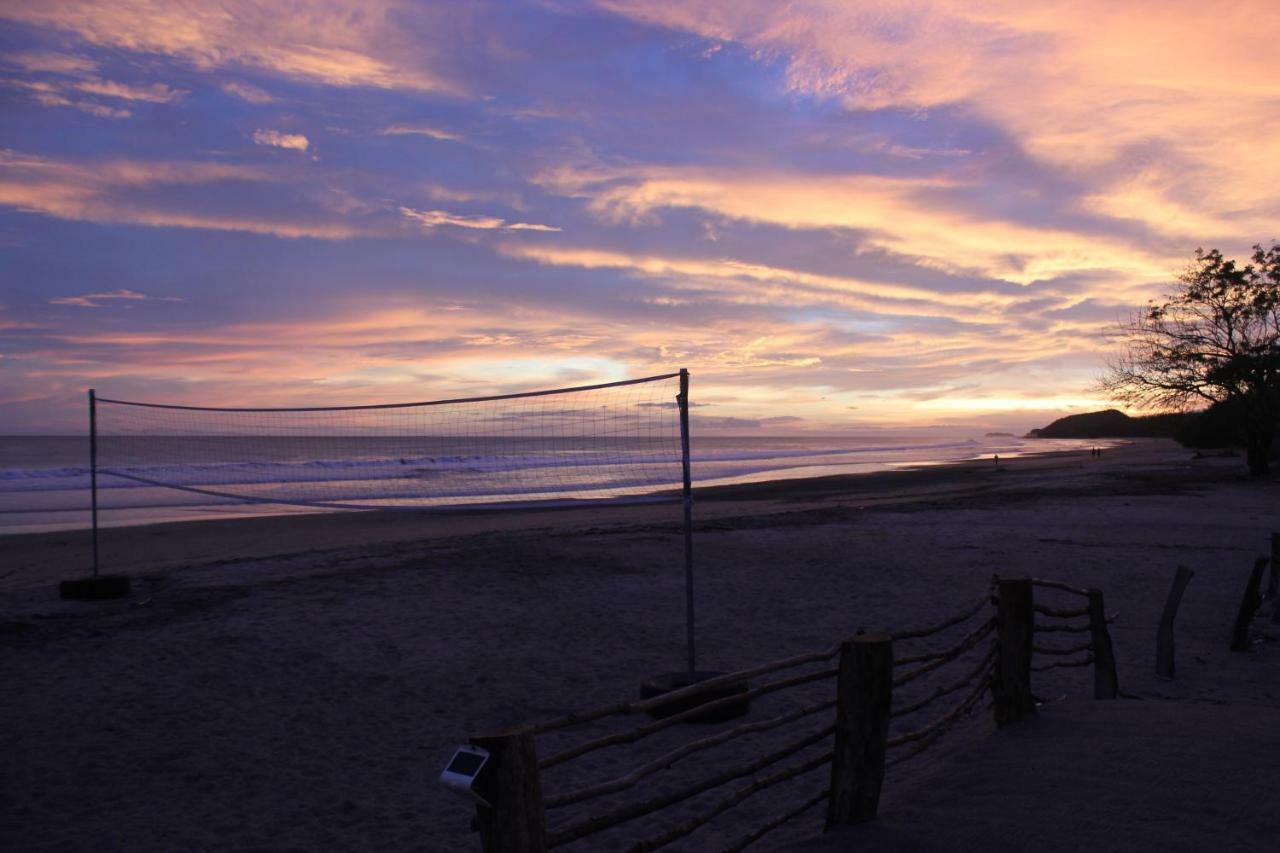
[882,708]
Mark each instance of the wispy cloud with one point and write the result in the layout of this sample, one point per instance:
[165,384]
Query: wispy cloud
[420,130]
[95,300]
[723,279]
[248,92]
[52,98]
[140,193]
[63,79]
[57,63]
[334,42]
[916,217]
[156,93]
[59,92]
[276,139]
[436,218]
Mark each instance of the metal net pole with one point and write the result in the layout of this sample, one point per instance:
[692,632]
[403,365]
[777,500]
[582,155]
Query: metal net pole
[93,472]
[683,401]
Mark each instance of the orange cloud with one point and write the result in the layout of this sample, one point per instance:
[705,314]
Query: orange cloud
[767,285]
[1181,95]
[276,139]
[54,95]
[335,42]
[111,192]
[57,63]
[901,215]
[744,365]
[156,93]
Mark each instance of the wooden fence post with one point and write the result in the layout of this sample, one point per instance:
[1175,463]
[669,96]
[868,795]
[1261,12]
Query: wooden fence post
[1106,685]
[864,692]
[1015,615]
[1164,637]
[1248,606]
[1273,586]
[514,821]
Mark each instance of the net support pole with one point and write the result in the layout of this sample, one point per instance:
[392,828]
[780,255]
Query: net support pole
[95,587]
[93,472]
[683,401]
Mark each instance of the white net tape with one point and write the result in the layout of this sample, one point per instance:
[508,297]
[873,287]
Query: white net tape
[617,442]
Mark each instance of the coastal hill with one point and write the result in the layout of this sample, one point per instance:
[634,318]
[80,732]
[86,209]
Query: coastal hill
[1215,427]
[1112,423]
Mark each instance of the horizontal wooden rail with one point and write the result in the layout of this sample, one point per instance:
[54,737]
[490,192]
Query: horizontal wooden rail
[947,689]
[1062,664]
[938,727]
[757,785]
[1065,587]
[941,722]
[765,828]
[662,762]
[631,811]
[698,710]
[962,616]
[951,654]
[1041,628]
[1060,613]
[1049,650]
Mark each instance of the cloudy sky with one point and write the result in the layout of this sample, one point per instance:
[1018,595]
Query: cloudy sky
[858,214]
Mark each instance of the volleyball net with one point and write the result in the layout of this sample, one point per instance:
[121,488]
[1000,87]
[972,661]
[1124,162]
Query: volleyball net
[620,441]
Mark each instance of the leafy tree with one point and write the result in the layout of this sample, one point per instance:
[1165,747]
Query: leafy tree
[1215,341]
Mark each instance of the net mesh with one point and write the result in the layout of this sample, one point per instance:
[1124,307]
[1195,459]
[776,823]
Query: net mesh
[618,442]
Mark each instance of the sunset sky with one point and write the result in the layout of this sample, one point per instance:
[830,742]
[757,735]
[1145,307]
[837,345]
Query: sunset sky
[857,215]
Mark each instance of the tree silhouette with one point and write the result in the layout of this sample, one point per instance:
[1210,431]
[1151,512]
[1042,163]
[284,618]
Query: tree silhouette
[1216,341]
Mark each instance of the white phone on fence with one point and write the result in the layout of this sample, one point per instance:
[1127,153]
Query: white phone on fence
[462,770]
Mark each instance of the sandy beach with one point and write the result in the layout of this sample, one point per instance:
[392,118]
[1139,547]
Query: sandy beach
[297,683]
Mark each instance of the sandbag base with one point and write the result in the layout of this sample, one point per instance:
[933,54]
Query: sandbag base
[95,588]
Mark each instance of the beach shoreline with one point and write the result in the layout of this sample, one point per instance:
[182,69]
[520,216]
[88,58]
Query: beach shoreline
[46,487]
[45,557]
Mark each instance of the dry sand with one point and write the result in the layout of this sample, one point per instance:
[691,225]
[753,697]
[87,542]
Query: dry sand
[1083,775]
[298,683]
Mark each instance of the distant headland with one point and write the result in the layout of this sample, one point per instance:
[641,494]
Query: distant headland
[1215,427]
[1113,423]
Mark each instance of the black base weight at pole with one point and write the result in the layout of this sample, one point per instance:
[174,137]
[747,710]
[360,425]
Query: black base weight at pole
[95,588]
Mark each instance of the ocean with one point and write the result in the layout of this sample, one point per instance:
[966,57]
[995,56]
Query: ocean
[144,479]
